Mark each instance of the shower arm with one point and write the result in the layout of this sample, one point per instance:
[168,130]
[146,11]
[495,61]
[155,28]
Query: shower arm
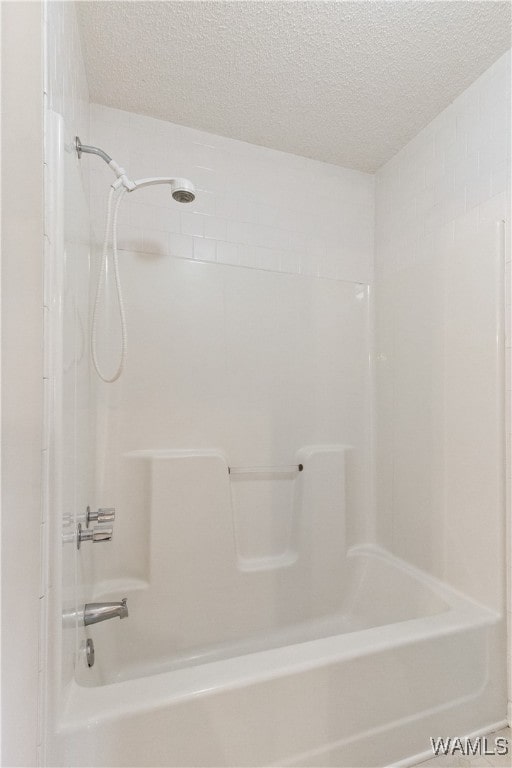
[122,178]
[91,151]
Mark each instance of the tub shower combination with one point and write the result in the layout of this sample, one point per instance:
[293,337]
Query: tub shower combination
[258,627]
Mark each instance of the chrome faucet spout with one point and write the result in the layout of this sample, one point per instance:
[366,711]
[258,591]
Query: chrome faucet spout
[95,612]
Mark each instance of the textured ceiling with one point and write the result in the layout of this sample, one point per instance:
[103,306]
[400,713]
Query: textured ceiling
[345,82]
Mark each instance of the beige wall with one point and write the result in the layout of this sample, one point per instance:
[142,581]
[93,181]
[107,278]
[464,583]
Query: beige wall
[22,370]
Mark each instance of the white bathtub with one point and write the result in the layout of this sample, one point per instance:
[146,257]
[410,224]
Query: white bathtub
[366,686]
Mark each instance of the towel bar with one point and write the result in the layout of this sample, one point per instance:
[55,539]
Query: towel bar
[285,470]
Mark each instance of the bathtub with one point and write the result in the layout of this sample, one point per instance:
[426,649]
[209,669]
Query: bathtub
[363,686]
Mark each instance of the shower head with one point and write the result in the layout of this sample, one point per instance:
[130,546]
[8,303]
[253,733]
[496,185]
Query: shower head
[183,196]
[182,190]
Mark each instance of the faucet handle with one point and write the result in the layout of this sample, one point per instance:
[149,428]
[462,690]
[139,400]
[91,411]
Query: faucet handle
[98,533]
[102,533]
[102,515]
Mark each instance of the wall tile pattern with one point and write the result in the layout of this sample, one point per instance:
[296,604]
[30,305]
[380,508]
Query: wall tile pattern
[451,179]
[255,207]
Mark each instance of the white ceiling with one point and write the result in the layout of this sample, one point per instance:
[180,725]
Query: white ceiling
[345,82]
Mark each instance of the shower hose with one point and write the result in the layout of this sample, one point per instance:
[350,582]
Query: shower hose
[111,223]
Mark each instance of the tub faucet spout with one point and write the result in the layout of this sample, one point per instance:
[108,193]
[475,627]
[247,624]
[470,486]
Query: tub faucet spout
[94,612]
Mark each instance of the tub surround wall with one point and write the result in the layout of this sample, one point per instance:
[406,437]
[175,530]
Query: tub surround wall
[219,276]
[437,204]
[69,392]
[257,396]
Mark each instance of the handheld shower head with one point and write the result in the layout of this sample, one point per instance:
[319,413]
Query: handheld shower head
[182,190]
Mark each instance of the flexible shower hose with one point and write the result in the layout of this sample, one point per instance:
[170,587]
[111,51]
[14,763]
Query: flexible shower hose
[102,278]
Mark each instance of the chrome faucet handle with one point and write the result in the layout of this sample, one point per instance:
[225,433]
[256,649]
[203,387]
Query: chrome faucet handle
[98,533]
[102,515]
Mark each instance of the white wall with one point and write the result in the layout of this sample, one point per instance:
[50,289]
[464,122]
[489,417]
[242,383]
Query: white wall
[438,464]
[22,372]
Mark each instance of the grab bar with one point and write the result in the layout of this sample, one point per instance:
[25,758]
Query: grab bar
[285,470]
